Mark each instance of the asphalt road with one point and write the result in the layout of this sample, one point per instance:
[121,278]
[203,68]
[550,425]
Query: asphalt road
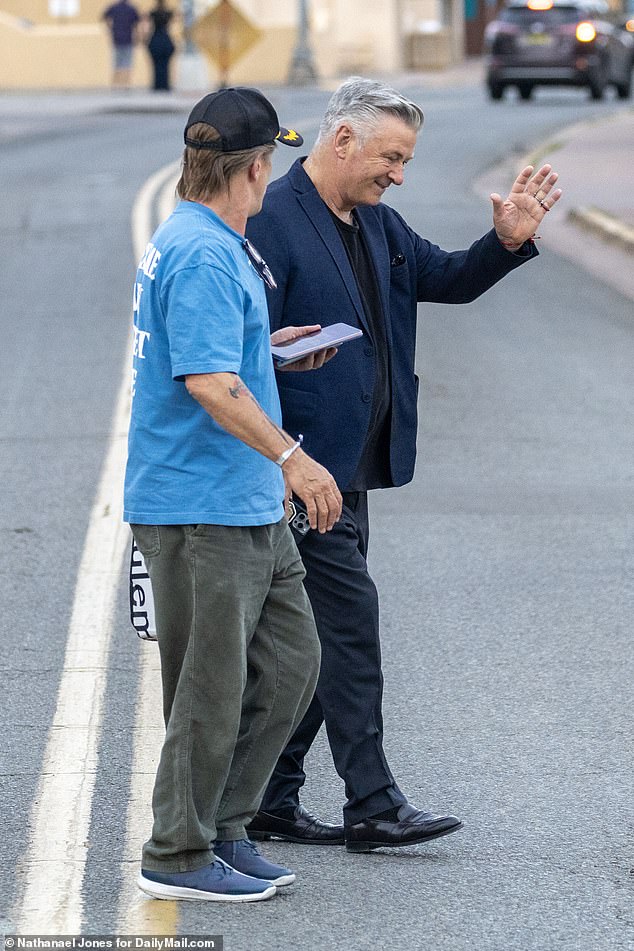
[505,569]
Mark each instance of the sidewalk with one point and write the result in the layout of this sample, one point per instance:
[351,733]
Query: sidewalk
[596,161]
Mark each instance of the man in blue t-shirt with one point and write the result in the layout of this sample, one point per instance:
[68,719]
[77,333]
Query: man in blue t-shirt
[209,467]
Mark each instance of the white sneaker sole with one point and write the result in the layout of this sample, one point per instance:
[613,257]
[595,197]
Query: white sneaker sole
[284,879]
[174,893]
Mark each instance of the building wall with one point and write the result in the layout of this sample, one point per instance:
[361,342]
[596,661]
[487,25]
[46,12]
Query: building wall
[346,36]
[38,11]
[356,36]
[57,55]
[38,50]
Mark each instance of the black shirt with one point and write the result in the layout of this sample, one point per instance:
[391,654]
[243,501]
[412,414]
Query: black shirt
[373,471]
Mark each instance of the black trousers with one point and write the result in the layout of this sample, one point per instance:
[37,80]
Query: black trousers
[349,692]
[161,73]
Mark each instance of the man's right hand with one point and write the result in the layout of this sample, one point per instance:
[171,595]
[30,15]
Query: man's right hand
[316,488]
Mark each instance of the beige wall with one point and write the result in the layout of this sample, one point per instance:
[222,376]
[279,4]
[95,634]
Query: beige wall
[267,61]
[59,57]
[347,36]
[361,35]
[38,10]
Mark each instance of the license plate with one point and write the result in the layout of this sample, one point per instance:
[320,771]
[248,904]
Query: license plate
[537,39]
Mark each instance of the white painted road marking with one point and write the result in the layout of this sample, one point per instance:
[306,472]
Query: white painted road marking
[137,914]
[56,856]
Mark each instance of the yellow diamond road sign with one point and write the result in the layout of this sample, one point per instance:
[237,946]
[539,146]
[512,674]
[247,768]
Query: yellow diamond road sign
[224,34]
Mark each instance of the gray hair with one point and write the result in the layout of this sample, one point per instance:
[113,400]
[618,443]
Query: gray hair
[361,103]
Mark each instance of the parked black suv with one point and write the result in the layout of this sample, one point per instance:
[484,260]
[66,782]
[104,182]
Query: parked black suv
[558,43]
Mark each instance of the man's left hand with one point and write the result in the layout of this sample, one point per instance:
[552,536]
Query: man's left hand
[314,360]
[517,218]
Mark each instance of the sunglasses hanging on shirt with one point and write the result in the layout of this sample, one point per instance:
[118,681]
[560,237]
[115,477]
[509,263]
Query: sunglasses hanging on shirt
[260,265]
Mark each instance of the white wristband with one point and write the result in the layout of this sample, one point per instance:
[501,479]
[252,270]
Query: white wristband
[289,452]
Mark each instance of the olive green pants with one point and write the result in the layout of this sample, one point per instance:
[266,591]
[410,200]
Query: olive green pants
[239,663]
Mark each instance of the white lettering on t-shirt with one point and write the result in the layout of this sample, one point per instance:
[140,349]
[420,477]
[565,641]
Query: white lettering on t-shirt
[140,336]
[136,299]
[149,261]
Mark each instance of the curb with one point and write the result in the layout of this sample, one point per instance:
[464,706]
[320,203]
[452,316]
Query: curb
[604,225]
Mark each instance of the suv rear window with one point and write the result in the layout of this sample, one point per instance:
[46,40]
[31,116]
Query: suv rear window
[556,16]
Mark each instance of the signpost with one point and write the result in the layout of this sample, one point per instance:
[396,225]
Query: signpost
[302,70]
[224,34]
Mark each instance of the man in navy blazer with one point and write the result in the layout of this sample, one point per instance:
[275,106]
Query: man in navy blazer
[339,255]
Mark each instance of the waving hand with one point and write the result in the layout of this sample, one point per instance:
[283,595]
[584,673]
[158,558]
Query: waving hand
[516,218]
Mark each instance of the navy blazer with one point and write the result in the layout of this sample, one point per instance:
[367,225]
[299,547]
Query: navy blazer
[296,235]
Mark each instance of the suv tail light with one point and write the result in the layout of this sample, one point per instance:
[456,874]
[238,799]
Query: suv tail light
[585,32]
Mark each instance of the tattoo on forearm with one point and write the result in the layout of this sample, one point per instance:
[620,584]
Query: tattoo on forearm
[238,389]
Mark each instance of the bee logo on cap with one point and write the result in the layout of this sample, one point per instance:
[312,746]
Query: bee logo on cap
[289,137]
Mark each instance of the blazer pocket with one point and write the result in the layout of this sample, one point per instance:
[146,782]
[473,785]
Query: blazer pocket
[400,274]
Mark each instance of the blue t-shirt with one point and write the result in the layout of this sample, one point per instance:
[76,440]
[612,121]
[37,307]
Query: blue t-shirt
[199,307]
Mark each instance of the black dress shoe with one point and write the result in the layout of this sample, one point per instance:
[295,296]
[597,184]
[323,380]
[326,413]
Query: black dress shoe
[411,827]
[294,825]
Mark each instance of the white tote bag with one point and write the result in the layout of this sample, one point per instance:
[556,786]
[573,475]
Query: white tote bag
[141,598]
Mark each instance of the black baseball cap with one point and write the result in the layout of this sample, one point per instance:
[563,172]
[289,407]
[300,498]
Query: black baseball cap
[243,117]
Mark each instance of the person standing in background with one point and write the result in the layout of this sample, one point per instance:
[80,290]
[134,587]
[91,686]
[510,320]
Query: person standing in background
[160,44]
[123,21]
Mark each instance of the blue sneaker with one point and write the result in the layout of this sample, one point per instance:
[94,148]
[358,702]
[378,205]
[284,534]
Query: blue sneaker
[215,882]
[243,855]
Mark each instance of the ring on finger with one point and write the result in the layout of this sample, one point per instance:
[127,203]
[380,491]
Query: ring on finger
[543,204]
